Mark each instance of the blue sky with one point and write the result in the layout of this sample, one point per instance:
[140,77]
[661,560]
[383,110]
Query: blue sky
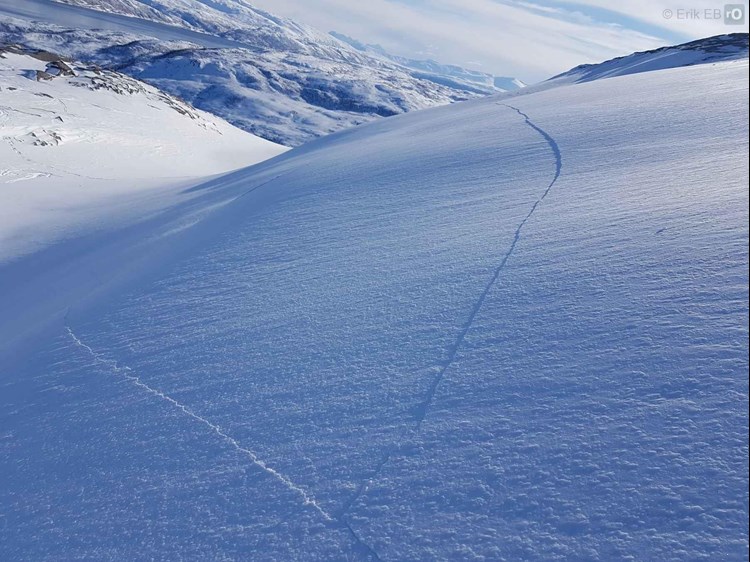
[530,39]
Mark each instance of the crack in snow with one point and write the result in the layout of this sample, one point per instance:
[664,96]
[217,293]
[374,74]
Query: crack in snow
[308,500]
[550,141]
[422,409]
[127,374]
[420,412]
[453,350]
[366,549]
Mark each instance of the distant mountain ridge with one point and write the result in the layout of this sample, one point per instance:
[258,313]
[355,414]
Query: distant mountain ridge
[702,51]
[446,74]
[268,75]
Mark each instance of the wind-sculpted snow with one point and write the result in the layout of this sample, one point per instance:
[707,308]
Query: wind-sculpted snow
[473,332]
[422,409]
[129,376]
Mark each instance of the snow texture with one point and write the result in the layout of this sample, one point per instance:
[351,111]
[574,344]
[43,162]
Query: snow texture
[514,328]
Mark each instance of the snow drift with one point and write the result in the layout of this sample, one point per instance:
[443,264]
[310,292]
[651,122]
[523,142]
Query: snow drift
[513,328]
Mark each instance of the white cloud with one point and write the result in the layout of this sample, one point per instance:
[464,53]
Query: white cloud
[518,38]
[688,18]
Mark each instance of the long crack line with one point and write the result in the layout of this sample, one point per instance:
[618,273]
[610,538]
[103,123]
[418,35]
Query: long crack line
[422,409]
[128,375]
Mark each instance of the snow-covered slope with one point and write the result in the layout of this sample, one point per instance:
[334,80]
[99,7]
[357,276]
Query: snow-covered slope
[77,143]
[270,76]
[514,328]
[703,51]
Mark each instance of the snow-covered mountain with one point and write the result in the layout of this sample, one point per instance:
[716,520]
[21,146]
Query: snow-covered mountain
[719,48]
[231,19]
[271,76]
[82,145]
[514,328]
[447,74]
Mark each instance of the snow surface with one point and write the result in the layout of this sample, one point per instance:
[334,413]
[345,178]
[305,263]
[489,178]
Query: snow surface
[513,328]
[78,153]
[702,51]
